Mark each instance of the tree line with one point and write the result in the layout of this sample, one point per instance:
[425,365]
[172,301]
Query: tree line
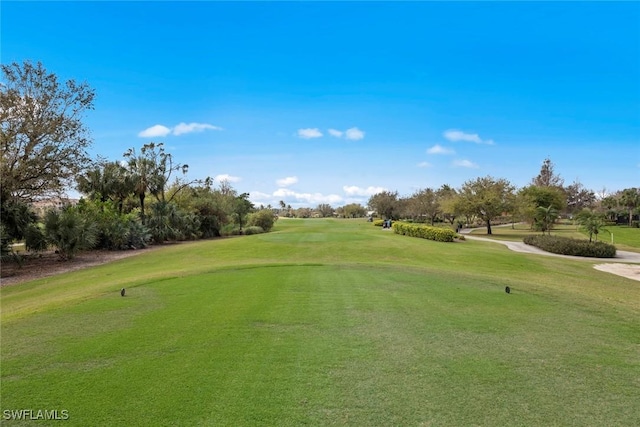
[142,198]
[487,200]
[145,196]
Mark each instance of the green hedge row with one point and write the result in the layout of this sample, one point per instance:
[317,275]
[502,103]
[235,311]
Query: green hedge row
[424,232]
[568,246]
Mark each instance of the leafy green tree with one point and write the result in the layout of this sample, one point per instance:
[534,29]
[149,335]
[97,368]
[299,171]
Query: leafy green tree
[385,203]
[487,198]
[447,197]
[424,204]
[591,222]
[43,141]
[241,208]
[354,210]
[325,210]
[69,231]
[529,199]
[630,199]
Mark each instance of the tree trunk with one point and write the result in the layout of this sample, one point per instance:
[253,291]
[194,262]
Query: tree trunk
[142,208]
[488,226]
[630,215]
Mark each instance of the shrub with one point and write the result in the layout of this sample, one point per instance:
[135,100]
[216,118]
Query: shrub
[254,229]
[574,247]
[378,222]
[263,218]
[69,231]
[424,232]
[230,230]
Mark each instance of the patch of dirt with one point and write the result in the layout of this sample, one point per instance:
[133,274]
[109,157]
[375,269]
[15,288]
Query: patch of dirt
[625,270]
[49,264]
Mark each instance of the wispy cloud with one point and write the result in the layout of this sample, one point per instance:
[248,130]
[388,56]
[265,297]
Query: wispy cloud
[465,164]
[309,133]
[193,127]
[354,134]
[180,129]
[336,133]
[227,177]
[455,135]
[424,165]
[285,182]
[155,132]
[353,190]
[438,149]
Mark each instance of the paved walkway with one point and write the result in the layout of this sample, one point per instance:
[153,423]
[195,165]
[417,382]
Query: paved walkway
[621,256]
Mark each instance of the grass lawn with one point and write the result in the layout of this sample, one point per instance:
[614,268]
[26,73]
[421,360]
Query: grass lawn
[326,322]
[624,237]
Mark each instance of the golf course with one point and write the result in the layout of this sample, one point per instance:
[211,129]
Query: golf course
[325,322]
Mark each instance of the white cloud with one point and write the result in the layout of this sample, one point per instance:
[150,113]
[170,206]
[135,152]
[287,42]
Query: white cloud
[285,182]
[193,127]
[424,165]
[353,190]
[354,134]
[257,195]
[465,164]
[309,133]
[181,128]
[455,135]
[308,198]
[155,131]
[336,133]
[227,177]
[438,149]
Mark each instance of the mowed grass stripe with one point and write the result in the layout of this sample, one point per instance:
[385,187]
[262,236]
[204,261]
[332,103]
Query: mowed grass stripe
[333,335]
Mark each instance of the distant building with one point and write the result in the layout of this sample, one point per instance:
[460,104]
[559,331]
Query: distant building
[40,207]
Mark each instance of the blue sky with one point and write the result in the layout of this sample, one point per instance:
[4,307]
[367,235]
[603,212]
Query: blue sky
[329,102]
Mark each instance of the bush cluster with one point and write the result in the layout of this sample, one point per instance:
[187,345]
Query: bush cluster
[568,246]
[424,232]
[378,222]
[253,229]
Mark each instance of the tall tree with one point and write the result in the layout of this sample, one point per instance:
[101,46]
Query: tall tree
[43,141]
[579,197]
[447,197]
[530,198]
[630,199]
[106,181]
[353,210]
[325,210]
[151,171]
[547,176]
[241,208]
[385,203]
[424,203]
[487,197]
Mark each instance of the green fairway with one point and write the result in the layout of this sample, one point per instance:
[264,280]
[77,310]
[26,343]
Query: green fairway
[326,322]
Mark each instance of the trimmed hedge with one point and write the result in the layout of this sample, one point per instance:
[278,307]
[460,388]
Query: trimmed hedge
[424,232]
[378,222]
[568,246]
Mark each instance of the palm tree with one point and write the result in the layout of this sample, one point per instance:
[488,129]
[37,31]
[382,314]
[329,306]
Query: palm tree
[591,222]
[630,199]
[545,217]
